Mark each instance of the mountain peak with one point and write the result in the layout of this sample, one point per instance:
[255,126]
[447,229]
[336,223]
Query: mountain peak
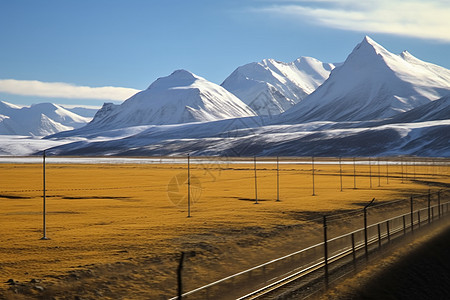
[369,40]
[184,74]
[368,52]
[368,45]
[373,83]
[178,78]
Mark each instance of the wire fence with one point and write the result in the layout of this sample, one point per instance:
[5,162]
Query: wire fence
[368,239]
[292,193]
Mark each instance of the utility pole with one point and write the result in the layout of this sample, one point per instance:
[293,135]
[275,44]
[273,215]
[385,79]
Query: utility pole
[189,186]
[379,176]
[340,171]
[312,162]
[325,240]
[256,181]
[44,237]
[366,249]
[180,276]
[278,179]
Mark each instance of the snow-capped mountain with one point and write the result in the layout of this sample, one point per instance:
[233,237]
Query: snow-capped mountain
[236,137]
[271,87]
[38,119]
[182,97]
[372,84]
[375,104]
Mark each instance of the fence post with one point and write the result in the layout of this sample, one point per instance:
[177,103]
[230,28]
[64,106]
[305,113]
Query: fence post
[429,207]
[388,231]
[44,212]
[179,276]
[325,249]
[354,174]
[370,172]
[439,203]
[366,249]
[379,235]
[353,250]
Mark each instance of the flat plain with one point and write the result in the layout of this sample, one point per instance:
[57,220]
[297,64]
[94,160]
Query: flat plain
[116,231]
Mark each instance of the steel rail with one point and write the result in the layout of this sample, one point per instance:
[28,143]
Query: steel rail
[347,251]
[336,257]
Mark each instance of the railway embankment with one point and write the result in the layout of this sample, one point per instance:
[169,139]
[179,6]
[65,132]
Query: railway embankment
[419,269]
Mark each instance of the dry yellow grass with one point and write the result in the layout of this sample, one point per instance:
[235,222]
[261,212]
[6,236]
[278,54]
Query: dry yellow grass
[119,228]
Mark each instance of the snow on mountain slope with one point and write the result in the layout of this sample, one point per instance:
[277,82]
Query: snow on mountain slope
[271,87]
[372,84]
[181,97]
[16,145]
[435,110]
[221,138]
[38,119]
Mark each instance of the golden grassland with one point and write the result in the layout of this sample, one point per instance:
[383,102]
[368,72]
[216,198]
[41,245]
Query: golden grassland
[116,231]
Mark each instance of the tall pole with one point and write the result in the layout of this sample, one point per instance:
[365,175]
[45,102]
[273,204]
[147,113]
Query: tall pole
[256,181]
[365,229]
[379,176]
[354,174]
[433,169]
[370,172]
[44,225]
[387,171]
[278,178]
[429,206]
[189,186]
[325,248]
[180,277]
[412,213]
[401,164]
[340,171]
[312,163]
[406,170]
[439,203]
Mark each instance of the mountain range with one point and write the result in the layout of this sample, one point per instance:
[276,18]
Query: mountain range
[372,84]
[37,120]
[181,97]
[271,87]
[375,103]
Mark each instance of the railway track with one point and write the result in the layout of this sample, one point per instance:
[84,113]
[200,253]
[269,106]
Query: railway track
[316,267]
[305,281]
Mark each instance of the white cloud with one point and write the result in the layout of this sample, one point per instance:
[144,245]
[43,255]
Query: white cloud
[422,19]
[63,90]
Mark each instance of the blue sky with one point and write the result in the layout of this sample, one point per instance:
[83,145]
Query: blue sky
[89,52]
